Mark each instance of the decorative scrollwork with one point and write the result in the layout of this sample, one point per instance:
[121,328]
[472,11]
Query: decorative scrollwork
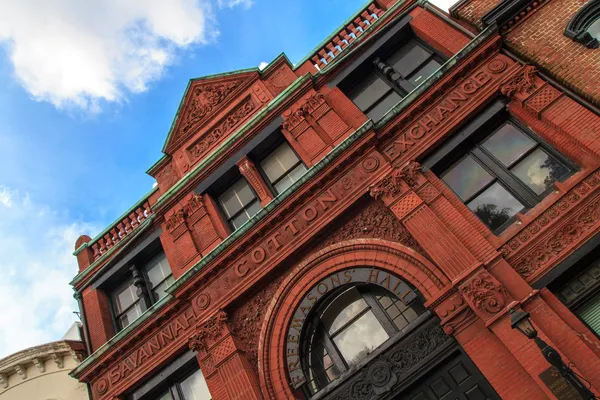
[210,329]
[485,293]
[391,185]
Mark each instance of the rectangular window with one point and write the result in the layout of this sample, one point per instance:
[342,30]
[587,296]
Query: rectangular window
[153,277]
[239,203]
[126,303]
[282,167]
[180,380]
[384,80]
[507,172]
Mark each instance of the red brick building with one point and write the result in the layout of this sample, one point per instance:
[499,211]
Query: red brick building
[362,224]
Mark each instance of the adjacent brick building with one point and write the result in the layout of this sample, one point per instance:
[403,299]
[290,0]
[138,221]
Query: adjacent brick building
[360,225]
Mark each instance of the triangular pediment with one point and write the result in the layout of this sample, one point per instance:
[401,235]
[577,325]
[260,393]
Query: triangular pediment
[204,98]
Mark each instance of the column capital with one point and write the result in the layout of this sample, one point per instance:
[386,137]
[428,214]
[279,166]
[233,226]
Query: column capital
[398,182]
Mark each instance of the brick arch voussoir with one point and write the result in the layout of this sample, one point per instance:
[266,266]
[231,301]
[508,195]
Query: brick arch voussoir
[400,260]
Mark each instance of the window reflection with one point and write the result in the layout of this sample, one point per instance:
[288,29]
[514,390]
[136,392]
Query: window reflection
[495,206]
[539,170]
[347,326]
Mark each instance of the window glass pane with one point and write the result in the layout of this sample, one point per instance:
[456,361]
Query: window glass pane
[495,206]
[243,191]
[279,162]
[466,177]
[508,144]
[385,105]
[236,197]
[539,170]
[360,338]
[368,91]
[166,396]
[157,269]
[130,316]
[289,180]
[125,296]
[594,29]
[239,220]
[343,309]
[408,58]
[253,209]
[194,387]
[424,72]
[159,291]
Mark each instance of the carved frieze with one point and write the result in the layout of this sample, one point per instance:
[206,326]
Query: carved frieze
[544,223]
[223,128]
[556,244]
[485,294]
[203,100]
[175,220]
[167,177]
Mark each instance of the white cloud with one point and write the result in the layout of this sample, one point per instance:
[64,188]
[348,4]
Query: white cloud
[36,265]
[263,65]
[234,3]
[82,53]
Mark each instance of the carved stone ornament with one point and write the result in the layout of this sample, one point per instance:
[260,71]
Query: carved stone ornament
[558,242]
[210,329]
[175,220]
[524,82]
[194,204]
[293,120]
[395,365]
[485,294]
[313,103]
[409,173]
[251,174]
[206,142]
[391,185]
[3,381]
[204,99]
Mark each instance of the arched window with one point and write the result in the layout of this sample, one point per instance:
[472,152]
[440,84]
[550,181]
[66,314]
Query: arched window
[584,27]
[346,326]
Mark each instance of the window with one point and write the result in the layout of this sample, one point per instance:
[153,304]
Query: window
[347,326]
[386,80]
[584,27]
[142,287]
[505,173]
[282,168]
[193,387]
[126,304]
[239,203]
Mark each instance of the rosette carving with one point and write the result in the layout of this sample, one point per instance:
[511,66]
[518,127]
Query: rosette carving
[485,294]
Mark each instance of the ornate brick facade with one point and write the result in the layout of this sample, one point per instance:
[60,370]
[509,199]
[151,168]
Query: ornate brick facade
[370,199]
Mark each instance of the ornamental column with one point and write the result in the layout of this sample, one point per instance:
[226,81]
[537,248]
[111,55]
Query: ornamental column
[228,373]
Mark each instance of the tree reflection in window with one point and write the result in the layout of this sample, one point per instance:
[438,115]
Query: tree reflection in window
[348,325]
[507,172]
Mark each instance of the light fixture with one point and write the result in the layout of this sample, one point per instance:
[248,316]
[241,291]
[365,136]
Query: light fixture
[519,320]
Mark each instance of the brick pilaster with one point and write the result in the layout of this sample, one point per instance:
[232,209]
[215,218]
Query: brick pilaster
[255,179]
[228,373]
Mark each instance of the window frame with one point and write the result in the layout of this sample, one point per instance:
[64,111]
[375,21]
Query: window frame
[270,151]
[472,145]
[145,298]
[402,86]
[229,220]
[316,326]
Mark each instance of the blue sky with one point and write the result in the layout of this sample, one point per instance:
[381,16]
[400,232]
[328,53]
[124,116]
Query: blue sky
[88,91]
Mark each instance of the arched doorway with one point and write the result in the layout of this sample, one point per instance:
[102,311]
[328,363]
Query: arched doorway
[351,322]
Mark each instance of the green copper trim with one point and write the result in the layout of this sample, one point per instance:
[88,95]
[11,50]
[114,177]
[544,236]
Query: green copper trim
[121,246]
[119,219]
[187,89]
[150,170]
[231,140]
[280,198]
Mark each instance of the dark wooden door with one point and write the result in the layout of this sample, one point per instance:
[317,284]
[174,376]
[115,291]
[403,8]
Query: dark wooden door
[454,379]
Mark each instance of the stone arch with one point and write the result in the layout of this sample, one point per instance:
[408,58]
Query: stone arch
[400,260]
